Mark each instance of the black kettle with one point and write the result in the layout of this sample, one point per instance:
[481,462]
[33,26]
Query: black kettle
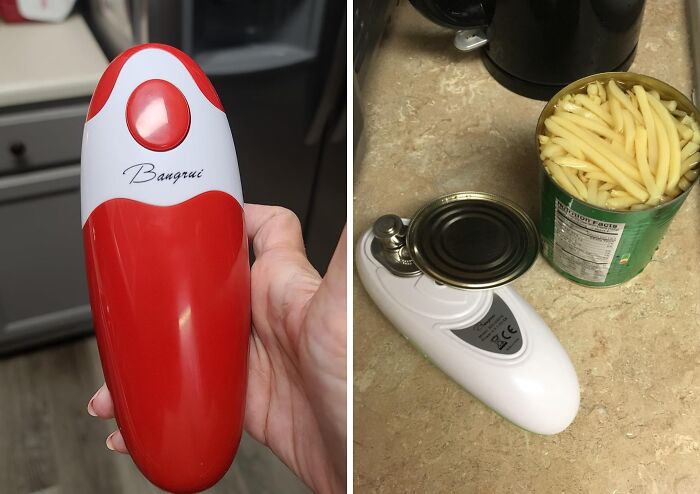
[536,47]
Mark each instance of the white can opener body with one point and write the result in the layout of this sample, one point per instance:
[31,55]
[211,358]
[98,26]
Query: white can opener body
[535,387]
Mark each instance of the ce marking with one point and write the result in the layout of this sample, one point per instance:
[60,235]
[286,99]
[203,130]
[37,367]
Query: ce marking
[508,333]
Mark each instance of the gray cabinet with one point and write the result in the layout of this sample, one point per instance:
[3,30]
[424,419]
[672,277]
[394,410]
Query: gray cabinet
[43,289]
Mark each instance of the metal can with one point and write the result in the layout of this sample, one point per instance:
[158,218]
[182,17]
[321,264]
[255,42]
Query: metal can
[472,240]
[593,246]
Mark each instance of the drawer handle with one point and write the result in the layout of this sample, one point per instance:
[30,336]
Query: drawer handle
[18,149]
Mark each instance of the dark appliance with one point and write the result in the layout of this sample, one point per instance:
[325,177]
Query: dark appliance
[536,47]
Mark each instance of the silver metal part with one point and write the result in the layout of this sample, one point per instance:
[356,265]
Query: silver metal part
[389,246]
[470,39]
[389,229]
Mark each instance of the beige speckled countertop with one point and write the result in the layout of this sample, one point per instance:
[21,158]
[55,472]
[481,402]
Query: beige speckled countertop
[438,123]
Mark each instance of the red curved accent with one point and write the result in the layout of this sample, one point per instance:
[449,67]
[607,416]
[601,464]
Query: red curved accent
[9,11]
[109,78]
[170,297]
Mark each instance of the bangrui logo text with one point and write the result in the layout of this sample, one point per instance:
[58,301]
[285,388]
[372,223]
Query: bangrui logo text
[145,172]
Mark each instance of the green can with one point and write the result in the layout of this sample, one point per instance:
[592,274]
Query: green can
[593,246]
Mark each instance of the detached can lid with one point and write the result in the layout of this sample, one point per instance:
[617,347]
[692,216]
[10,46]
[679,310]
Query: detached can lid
[472,240]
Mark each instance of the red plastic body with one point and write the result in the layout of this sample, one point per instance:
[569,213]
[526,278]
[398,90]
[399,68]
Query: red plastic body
[170,295]
[9,11]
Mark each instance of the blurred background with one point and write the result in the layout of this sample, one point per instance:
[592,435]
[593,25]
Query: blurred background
[279,68]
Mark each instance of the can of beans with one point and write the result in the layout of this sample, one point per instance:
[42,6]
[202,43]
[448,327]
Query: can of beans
[598,243]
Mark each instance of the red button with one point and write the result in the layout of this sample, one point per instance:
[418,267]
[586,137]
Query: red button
[158,115]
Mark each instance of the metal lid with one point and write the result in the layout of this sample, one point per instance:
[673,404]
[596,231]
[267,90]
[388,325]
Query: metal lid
[472,240]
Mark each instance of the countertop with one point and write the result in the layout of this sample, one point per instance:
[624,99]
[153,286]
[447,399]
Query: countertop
[436,122]
[46,61]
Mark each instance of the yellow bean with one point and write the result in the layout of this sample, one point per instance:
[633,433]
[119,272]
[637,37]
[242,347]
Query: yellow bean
[567,106]
[592,187]
[551,150]
[616,155]
[620,202]
[600,129]
[576,182]
[607,186]
[586,102]
[689,149]
[679,113]
[592,89]
[589,115]
[640,144]
[619,193]
[561,178]
[674,157]
[684,131]
[689,162]
[619,149]
[602,177]
[601,91]
[569,147]
[649,124]
[604,163]
[669,105]
[615,92]
[676,191]
[616,111]
[576,163]
[661,174]
[629,129]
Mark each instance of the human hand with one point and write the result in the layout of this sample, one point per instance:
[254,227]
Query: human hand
[296,399]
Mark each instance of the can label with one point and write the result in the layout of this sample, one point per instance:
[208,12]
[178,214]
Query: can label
[599,247]
[584,247]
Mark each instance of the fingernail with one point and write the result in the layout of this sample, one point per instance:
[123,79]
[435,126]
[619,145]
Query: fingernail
[90,407]
[108,442]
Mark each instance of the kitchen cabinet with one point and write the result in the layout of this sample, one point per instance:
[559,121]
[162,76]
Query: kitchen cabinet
[43,291]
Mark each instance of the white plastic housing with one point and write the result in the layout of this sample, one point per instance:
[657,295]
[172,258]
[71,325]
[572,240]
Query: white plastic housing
[208,145]
[536,388]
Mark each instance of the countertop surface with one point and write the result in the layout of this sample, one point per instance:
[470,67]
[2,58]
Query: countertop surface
[46,61]
[436,122]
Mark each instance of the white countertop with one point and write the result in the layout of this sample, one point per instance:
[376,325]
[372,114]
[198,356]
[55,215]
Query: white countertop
[42,61]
